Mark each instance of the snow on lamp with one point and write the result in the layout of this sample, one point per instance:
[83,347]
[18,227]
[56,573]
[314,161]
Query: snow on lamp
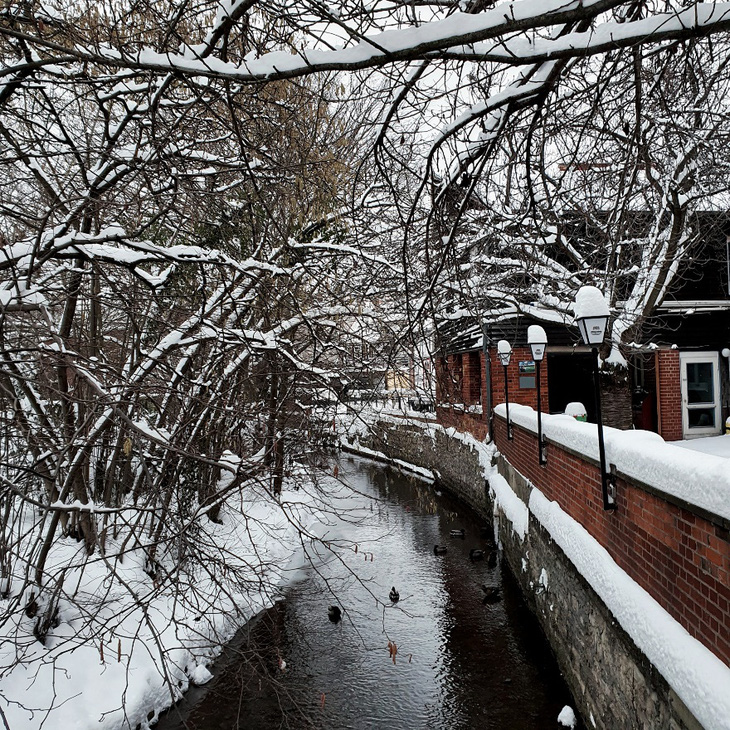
[591,315]
[504,352]
[537,340]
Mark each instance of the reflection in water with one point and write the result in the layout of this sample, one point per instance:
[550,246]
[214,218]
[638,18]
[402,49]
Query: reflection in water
[459,649]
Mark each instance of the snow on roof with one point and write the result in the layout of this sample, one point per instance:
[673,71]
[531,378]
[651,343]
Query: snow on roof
[589,302]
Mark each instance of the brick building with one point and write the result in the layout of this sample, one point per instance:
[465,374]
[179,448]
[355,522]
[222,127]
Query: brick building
[677,385]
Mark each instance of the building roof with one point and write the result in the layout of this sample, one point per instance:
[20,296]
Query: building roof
[465,334]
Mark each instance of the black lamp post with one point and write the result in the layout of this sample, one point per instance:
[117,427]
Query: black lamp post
[504,352]
[537,340]
[591,315]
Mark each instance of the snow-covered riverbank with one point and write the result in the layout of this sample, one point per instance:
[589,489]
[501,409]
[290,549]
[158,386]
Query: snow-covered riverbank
[130,638]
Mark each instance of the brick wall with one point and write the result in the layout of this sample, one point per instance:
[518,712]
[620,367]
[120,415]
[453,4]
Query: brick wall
[466,371]
[448,379]
[471,380]
[669,395]
[523,396]
[681,557]
[464,422]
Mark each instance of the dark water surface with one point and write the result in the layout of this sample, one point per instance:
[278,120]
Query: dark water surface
[460,662]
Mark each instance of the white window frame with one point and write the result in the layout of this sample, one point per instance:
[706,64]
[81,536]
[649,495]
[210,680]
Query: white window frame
[699,431]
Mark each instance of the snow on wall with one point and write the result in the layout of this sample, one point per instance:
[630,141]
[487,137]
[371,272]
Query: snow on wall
[703,481]
[515,510]
[699,678]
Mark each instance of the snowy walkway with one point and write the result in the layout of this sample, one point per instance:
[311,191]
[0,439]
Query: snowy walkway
[715,445]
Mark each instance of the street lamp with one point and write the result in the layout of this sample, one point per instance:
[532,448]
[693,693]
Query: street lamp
[537,340]
[504,352]
[591,315]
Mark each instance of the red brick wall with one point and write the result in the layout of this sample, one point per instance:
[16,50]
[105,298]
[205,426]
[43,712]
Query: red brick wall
[448,379]
[460,379]
[464,422]
[471,381]
[669,395]
[523,396]
[455,375]
[678,556]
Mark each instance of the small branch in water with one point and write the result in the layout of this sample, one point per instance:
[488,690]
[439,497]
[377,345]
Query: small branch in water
[393,649]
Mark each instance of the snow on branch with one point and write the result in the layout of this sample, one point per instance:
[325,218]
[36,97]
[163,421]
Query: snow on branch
[458,29]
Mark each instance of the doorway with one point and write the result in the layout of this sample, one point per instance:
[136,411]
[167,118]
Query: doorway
[700,380]
[570,379]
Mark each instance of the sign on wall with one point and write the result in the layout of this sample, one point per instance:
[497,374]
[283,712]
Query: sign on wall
[526,369]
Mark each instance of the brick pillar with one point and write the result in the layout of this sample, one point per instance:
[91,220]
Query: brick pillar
[471,381]
[485,384]
[466,378]
[497,378]
[669,395]
[454,379]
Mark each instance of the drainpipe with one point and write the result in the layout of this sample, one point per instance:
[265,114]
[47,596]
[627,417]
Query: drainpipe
[726,353]
[658,378]
[487,381]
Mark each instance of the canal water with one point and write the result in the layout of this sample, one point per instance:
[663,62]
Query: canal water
[448,654]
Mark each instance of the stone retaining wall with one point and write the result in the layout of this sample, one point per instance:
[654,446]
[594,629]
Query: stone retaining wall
[454,462]
[615,687]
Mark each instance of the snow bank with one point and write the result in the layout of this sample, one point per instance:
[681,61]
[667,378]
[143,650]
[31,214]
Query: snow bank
[703,481]
[426,474]
[515,510]
[125,648]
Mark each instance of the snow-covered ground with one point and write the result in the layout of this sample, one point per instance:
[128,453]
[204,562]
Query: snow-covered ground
[715,445]
[124,648]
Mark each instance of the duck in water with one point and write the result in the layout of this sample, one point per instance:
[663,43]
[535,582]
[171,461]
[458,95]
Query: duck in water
[439,549]
[476,554]
[491,594]
[334,613]
[394,595]
[458,533]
